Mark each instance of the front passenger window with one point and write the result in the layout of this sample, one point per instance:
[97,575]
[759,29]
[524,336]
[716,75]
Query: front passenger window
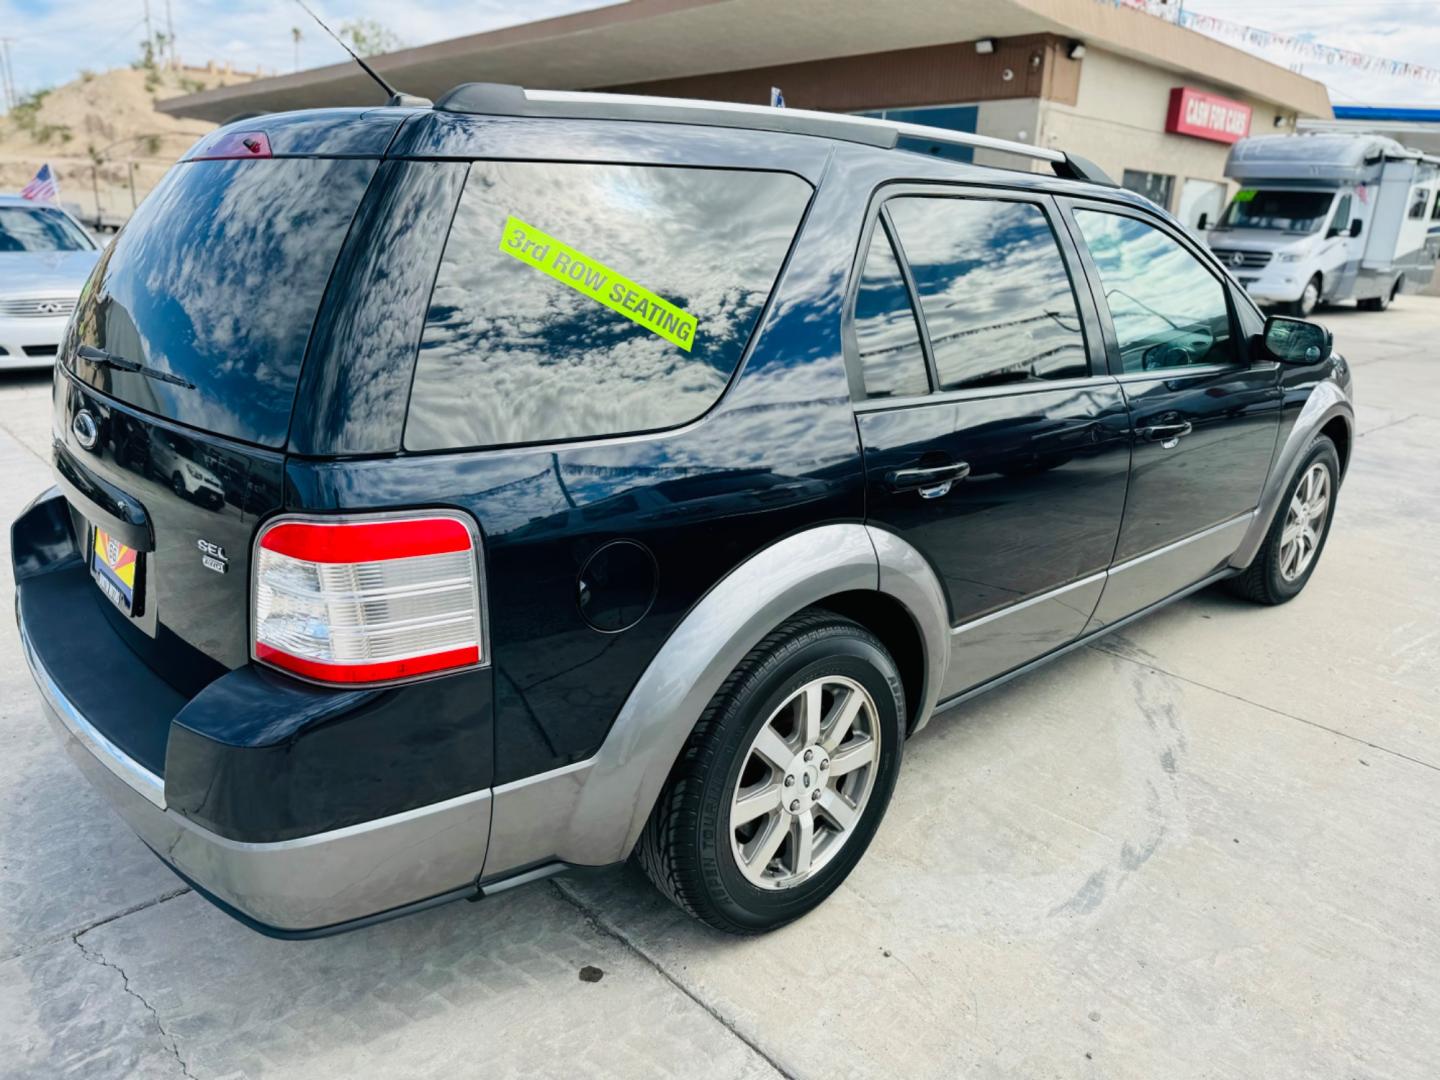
[1169,311]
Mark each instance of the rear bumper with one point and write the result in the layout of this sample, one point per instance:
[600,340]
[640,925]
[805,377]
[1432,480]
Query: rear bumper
[310,883]
[238,820]
[306,884]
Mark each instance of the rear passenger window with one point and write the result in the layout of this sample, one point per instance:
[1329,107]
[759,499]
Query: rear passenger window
[887,338]
[662,275]
[993,288]
[1168,310]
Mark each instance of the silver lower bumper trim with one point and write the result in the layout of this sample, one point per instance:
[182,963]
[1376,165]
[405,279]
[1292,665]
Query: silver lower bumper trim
[307,883]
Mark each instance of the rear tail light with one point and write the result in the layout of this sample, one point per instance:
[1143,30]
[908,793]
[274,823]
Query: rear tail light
[368,600]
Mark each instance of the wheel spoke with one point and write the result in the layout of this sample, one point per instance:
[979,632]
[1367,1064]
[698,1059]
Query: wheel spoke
[775,750]
[810,713]
[762,847]
[802,842]
[748,807]
[838,809]
[1292,531]
[1289,555]
[1316,509]
[844,720]
[849,758]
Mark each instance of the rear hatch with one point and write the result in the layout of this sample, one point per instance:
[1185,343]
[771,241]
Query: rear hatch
[178,378]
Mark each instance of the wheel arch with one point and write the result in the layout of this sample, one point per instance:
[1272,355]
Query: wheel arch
[1328,411]
[592,812]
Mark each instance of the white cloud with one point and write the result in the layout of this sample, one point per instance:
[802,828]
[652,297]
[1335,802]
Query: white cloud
[1396,30]
[53,40]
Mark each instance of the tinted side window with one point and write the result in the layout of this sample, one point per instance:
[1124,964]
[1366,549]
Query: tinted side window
[886,335]
[509,354]
[994,290]
[1169,311]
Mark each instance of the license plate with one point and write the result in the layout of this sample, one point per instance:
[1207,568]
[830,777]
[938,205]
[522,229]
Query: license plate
[116,569]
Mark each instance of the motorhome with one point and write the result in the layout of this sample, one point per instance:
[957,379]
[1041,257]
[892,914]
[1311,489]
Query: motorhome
[1329,217]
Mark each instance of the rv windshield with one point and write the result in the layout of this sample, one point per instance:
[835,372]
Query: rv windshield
[1289,211]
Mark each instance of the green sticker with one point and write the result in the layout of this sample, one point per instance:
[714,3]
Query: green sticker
[597,281]
[1244,194]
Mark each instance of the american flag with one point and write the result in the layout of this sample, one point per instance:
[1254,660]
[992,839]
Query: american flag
[43,187]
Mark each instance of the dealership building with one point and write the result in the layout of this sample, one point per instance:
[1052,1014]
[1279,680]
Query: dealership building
[1155,105]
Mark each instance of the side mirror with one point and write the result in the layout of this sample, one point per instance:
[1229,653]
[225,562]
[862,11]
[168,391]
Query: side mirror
[1203,223]
[1333,231]
[1295,341]
[1356,226]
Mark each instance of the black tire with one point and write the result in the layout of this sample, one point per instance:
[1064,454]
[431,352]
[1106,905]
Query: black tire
[685,847]
[1262,581]
[1304,308]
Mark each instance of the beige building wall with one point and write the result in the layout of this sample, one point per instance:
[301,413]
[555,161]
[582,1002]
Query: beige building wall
[1118,122]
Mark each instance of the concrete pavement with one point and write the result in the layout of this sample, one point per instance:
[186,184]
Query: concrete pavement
[1208,847]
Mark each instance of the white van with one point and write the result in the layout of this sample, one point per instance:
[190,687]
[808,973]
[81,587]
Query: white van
[1328,217]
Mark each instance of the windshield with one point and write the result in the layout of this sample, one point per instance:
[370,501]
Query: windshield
[1286,211]
[23,228]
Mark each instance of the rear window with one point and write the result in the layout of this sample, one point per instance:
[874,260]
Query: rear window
[216,280]
[582,300]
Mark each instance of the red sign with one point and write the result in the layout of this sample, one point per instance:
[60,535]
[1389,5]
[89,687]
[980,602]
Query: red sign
[1207,116]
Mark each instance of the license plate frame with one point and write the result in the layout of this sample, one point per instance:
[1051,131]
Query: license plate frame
[110,562]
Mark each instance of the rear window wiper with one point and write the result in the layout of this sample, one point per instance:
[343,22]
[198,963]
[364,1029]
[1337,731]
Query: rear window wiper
[119,363]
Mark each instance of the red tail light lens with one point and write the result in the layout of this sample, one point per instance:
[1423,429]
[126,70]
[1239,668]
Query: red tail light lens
[230,146]
[364,601]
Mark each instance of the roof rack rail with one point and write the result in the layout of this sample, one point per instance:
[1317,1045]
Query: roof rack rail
[498,99]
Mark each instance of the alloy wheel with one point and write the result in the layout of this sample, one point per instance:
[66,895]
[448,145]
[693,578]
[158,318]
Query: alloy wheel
[804,782]
[1305,522]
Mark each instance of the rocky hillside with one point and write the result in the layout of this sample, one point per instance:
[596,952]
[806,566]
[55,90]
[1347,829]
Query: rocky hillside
[101,131]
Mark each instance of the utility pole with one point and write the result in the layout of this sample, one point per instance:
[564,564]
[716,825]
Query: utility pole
[149,31]
[7,75]
[295,36]
[170,32]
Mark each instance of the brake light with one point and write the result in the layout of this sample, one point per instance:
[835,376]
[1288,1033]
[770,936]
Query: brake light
[357,600]
[232,145]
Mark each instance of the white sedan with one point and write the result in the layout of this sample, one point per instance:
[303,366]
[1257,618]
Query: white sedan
[45,258]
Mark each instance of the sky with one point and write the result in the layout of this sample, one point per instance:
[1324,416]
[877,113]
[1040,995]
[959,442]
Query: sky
[51,40]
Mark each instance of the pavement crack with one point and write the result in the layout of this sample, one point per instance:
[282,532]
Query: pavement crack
[85,929]
[95,956]
[1100,648]
[605,930]
[1389,424]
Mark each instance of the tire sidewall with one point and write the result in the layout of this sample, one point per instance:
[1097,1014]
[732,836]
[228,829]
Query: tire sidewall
[1321,450]
[843,651]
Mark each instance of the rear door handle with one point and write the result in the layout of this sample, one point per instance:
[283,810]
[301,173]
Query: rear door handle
[1167,434]
[932,481]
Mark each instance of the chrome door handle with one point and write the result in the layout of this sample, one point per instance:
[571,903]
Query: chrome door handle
[931,482]
[1166,434]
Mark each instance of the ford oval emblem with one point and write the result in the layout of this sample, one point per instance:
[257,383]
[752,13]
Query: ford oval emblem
[87,431]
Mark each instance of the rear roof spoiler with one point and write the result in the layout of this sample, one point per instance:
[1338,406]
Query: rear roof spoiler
[499,99]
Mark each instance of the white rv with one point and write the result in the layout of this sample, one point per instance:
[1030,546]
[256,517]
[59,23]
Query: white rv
[1329,217]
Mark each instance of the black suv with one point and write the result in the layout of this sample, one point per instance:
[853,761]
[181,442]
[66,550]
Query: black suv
[450,496]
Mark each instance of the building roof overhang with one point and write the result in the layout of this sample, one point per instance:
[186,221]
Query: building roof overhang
[648,40]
